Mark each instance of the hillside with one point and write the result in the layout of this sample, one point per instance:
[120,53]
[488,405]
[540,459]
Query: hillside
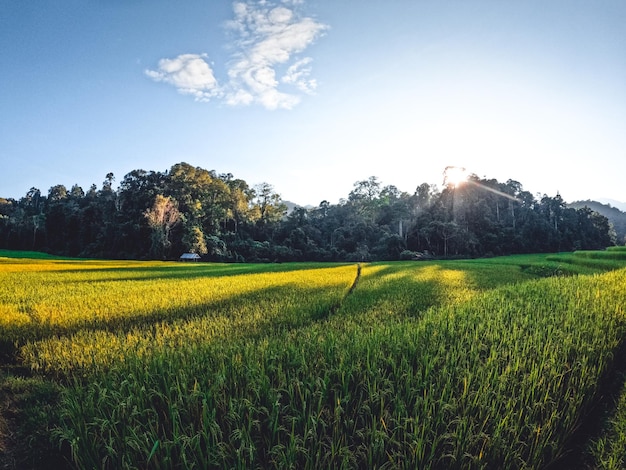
[613,203]
[615,216]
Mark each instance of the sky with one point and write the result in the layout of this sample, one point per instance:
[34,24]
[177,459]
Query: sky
[312,96]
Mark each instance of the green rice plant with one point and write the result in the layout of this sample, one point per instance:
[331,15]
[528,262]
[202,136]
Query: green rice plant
[575,264]
[455,364]
[27,413]
[498,379]
[609,450]
[409,288]
[615,254]
[236,306]
[28,255]
[47,298]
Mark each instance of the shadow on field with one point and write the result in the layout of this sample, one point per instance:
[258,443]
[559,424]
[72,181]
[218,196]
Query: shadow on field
[408,289]
[189,271]
[265,308]
[261,311]
[398,296]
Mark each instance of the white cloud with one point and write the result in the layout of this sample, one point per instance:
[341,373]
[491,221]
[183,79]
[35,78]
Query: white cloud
[189,73]
[239,97]
[280,15]
[268,38]
[298,73]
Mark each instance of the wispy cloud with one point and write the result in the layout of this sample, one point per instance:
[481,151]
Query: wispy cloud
[266,66]
[298,75]
[189,73]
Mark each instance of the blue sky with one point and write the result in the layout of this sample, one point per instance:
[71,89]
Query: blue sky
[314,95]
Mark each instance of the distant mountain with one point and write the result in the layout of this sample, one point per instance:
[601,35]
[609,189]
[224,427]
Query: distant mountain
[615,216]
[613,203]
[292,205]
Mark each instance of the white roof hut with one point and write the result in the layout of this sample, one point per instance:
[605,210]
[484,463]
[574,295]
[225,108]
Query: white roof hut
[189,257]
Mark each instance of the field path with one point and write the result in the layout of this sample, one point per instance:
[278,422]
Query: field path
[356,280]
[335,308]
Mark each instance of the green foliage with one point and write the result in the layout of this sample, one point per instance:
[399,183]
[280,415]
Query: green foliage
[609,451]
[27,255]
[28,411]
[194,241]
[159,215]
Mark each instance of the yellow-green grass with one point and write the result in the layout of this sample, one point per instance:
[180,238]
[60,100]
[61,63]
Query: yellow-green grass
[248,306]
[28,255]
[92,313]
[499,381]
[40,298]
[455,364]
[609,450]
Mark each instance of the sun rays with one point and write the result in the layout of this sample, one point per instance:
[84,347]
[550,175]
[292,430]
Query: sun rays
[454,176]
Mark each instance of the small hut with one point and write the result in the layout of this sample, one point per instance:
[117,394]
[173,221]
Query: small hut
[189,257]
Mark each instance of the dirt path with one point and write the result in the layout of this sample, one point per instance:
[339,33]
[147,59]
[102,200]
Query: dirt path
[356,279]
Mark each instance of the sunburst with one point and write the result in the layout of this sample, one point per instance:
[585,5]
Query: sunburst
[454,176]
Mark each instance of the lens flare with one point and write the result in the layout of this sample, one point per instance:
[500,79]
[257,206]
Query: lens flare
[454,176]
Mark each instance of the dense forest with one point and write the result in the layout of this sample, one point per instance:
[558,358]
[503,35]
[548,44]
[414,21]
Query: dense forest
[616,217]
[160,215]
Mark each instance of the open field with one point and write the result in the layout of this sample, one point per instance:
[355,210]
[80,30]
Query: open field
[489,363]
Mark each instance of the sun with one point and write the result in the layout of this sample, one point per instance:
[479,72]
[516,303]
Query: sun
[454,175]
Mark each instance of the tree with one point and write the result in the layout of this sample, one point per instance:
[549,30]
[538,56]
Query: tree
[56,219]
[192,209]
[136,195]
[77,192]
[268,203]
[239,209]
[446,231]
[57,193]
[163,215]
[194,241]
[107,185]
[31,220]
[365,197]
[204,198]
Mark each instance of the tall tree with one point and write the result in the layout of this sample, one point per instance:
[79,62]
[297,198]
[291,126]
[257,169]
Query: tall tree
[365,197]
[203,197]
[268,204]
[162,217]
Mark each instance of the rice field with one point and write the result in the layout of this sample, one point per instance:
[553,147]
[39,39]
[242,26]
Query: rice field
[491,363]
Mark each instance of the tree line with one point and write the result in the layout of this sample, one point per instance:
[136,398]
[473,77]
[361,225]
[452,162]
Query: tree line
[160,215]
